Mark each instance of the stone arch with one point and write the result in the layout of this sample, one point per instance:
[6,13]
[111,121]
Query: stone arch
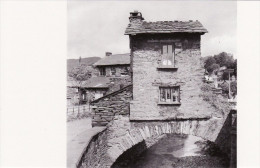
[139,132]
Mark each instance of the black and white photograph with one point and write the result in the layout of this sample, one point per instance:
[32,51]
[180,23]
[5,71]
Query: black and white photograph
[151,84]
[129,84]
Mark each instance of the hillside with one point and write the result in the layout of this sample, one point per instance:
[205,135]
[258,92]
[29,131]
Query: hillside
[71,63]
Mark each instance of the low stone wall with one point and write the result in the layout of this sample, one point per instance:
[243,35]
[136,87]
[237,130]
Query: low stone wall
[116,103]
[95,152]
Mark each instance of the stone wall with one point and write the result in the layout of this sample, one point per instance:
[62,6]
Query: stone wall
[116,103]
[117,83]
[147,78]
[95,153]
[122,136]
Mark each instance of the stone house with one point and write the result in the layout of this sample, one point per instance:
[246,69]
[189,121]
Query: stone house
[117,65]
[93,88]
[166,69]
[113,74]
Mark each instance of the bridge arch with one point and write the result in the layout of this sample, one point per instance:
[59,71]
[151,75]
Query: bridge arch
[139,132]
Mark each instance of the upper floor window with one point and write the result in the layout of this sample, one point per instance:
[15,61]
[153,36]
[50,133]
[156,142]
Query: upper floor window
[113,71]
[168,54]
[170,94]
[102,71]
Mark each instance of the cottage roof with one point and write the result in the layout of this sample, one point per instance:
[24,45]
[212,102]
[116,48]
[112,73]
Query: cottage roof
[117,59]
[165,27]
[96,82]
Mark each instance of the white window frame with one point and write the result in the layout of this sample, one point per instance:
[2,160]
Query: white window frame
[169,94]
[168,54]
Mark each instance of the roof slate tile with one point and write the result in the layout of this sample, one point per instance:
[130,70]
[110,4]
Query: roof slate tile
[165,27]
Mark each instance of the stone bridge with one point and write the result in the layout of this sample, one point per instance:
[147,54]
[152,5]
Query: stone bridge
[122,135]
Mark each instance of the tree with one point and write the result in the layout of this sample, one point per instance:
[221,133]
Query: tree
[212,67]
[223,59]
[209,61]
[80,73]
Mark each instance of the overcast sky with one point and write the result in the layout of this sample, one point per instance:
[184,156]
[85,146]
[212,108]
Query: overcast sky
[95,27]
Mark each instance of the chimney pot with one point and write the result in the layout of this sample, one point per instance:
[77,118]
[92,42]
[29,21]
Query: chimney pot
[108,53]
[135,16]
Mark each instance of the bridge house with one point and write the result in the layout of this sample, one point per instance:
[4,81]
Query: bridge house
[166,69]
[166,72]
[167,96]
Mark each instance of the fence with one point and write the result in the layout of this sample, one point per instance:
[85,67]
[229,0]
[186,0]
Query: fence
[76,111]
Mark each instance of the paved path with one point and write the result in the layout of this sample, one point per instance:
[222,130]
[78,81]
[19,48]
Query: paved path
[76,127]
[79,133]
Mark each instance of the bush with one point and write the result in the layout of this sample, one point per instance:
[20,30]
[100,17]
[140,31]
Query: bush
[224,86]
[233,87]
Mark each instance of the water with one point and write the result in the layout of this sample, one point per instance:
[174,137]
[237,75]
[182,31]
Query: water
[178,151]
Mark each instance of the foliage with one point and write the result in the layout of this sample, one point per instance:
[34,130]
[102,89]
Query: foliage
[81,73]
[224,86]
[209,61]
[225,76]
[212,67]
[217,101]
[221,59]
[234,66]
[233,87]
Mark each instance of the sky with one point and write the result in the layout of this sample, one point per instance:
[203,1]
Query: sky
[96,27]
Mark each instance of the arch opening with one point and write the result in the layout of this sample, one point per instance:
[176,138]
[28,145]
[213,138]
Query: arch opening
[176,150]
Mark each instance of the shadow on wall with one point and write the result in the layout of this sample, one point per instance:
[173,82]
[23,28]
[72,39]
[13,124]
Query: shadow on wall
[226,141]
[130,155]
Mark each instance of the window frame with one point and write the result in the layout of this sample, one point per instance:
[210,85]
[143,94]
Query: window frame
[114,70]
[102,71]
[172,54]
[168,91]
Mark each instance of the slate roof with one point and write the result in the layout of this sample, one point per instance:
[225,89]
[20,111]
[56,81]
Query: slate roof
[96,82]
[117,59]
[165,27]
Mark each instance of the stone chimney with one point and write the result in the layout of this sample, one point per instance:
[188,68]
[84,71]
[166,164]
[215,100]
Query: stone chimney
[108,54]
[135,17]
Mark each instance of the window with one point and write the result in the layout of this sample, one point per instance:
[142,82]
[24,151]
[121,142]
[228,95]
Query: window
[113,71]
[170,94]
[167,55]
[102,71]
[125,71]
[84,96]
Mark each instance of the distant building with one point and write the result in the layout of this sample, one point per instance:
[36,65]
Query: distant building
[111,73]
[93,88]
[114,65]
[73,97]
